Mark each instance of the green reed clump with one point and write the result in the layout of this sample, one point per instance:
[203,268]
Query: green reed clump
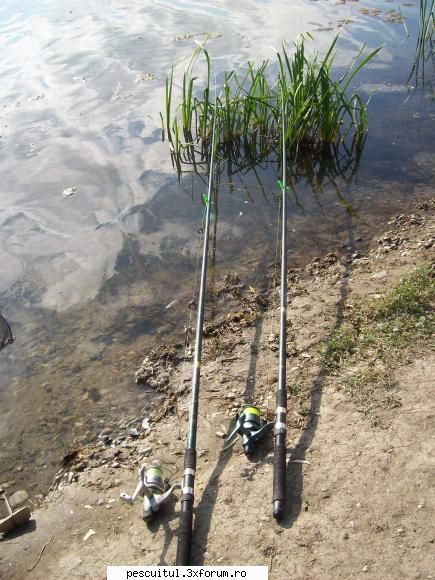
[248,107]
[425,48]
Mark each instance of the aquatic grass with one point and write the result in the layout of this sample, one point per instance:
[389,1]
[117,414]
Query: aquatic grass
[248,106]
[425,48]
[168,103]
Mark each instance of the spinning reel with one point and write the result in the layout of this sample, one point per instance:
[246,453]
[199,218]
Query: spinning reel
[155,489]
[251,427]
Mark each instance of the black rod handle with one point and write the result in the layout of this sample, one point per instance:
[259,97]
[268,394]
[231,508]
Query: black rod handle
[186,514]
[185,534]
[279,476]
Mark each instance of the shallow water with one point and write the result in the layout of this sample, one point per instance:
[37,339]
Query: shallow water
[86,277]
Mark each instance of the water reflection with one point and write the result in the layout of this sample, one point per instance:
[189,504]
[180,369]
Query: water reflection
[313,169]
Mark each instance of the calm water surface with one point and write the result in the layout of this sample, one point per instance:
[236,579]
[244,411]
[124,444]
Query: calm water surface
[85,278]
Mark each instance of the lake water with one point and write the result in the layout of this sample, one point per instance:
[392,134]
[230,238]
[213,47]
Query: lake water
[97,234]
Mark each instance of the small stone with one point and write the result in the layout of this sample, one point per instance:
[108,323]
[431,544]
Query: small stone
[105,431]
[100,501]
[380,275]
[88,534]
[145,450]
[401,531]
[18,499]
[365,569]
[345,536]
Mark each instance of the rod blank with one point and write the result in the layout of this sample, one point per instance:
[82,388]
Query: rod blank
[188,486]
[280,432]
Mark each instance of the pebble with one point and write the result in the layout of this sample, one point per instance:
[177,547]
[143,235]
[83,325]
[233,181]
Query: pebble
[145,450]
[365,569]
[18,499]
[100,501]
[345,536]
[380,275]
[88,534]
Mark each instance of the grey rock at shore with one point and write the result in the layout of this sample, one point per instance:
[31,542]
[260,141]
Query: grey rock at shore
[18,499]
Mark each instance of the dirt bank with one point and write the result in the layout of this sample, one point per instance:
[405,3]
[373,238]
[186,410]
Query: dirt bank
[361,427]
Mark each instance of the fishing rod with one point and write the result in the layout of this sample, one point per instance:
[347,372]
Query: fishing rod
[187,497]
[280,431]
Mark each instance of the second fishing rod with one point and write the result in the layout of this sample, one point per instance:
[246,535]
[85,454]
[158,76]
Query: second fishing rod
[280,431]
[188,486]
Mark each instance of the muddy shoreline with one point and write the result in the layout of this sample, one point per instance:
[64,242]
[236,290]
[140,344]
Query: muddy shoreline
[349,511]
[58,418]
